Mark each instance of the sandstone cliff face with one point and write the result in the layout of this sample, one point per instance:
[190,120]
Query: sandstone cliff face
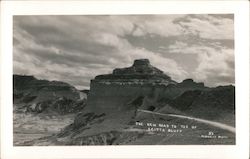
[112,92]
[117,101]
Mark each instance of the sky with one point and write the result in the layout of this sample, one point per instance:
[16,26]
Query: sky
[76,48]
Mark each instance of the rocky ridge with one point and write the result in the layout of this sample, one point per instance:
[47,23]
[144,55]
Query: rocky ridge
[114,101]
[37,96]
[110,92]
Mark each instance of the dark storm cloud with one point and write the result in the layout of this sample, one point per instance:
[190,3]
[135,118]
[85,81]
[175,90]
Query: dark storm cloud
[75,49]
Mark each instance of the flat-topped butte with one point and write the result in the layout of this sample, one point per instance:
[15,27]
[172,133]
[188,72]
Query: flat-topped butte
[140,72]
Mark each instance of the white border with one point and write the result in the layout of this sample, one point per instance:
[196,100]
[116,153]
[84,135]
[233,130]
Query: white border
[241,11]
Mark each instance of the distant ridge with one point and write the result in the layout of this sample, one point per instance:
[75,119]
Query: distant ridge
[34,95]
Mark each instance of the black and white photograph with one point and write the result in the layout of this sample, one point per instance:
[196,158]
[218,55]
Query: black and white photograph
[146,79]
[124,79]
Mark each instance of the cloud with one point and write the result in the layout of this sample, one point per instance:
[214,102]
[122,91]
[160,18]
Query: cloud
[159,25]
[209,27]
[216,67]
[216,64]
[75,49]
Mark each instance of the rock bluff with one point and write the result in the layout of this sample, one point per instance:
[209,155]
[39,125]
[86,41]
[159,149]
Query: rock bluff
[113,92]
